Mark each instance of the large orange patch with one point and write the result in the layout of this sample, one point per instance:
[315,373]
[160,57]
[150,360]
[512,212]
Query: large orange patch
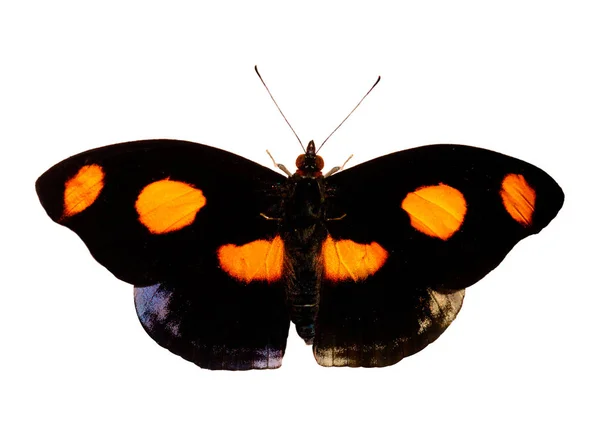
[347,260]
[83,189]
[168,205]
[518,198]
[437,211]
[260,260]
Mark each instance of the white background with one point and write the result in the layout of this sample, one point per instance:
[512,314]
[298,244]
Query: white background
[521,78]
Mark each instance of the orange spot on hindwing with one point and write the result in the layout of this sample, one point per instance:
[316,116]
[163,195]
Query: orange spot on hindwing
[260,260]
[168,205]
[347,260]
[437,211]
[518,198]
[83,189]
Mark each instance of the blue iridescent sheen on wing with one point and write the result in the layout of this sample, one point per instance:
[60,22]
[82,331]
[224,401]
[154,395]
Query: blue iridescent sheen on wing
[152,306]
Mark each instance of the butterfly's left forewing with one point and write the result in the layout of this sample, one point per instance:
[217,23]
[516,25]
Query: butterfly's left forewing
[431,221]
[181,221]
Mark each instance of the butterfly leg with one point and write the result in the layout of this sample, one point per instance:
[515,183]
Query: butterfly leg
[336,169]
[265,216]
[280,165]
[335,218]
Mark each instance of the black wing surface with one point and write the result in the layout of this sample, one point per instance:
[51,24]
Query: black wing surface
[184,300]
[417,293]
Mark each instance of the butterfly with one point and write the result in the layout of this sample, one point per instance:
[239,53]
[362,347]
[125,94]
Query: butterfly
[370,263]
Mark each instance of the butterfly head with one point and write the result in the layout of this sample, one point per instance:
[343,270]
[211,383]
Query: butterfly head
[309,163]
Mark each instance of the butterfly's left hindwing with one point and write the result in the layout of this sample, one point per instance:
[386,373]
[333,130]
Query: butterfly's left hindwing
[214,321]
[170,217]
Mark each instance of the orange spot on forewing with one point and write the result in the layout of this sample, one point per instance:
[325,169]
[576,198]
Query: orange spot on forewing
[83,189]
[260,260]
[347,260]
[518,198]
[437,211]
[168,205]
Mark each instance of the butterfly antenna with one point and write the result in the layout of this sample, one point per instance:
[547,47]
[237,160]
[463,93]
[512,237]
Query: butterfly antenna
[355,107]
[276,105]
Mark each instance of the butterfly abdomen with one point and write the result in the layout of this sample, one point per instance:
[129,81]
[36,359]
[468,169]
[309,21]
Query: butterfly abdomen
[303,273]
[303,233]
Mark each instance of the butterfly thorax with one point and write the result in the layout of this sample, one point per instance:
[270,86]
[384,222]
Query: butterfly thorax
[303,231]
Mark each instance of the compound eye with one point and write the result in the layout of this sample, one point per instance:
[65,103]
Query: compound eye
[300,161]
[320,163]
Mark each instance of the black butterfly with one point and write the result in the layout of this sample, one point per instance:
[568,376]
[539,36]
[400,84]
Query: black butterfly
[370,263]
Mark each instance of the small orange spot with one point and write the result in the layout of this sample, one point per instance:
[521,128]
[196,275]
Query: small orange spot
[83,189]
[518,198]
[437,211]
[168,205]
[345,259]
[260,260]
